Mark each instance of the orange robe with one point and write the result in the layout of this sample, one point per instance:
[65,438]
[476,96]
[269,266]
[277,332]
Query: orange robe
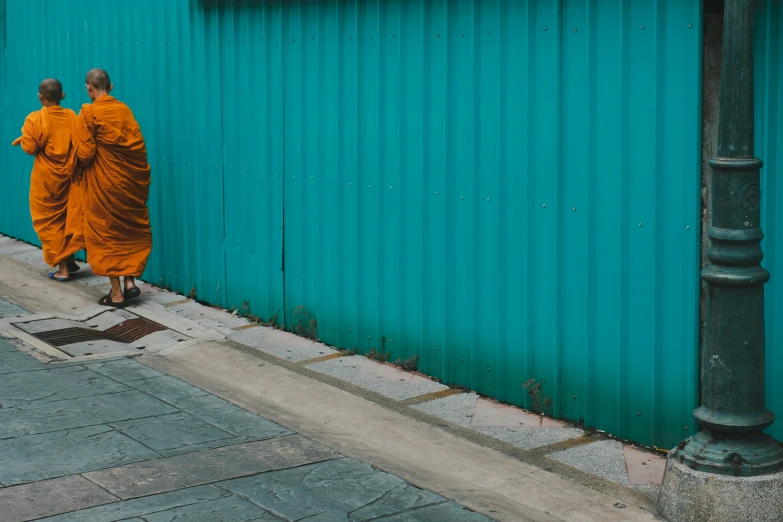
[116,179]
[55,195]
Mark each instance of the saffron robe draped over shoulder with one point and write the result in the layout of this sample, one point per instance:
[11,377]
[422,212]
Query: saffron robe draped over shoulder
[116,179]
[55,195]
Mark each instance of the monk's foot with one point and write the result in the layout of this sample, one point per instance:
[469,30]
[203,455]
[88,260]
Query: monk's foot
[131,290]
[72,266]
[61,276]
[113,300]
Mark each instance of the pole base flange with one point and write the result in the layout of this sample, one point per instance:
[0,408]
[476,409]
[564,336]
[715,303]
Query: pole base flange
[688,495]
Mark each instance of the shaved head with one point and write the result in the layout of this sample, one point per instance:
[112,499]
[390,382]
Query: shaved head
[51,90]
[98,79]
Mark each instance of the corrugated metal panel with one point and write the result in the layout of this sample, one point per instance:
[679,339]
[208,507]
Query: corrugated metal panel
[769,147]
[502,189]
[507,193]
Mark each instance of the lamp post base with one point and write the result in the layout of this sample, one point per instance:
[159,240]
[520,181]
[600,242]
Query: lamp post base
[748,455]
[688,495]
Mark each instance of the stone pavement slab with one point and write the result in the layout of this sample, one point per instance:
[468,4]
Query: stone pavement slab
[230,418]
[488,414]
[167,388]
[308,492]
[124,370]
[205,467]
[380,378]
[532,438]
[280,344]
[54,384]
[607,459]
[228,509]
[455,408]
[8,309]
[42,417]
[168,432]
[644,469]
[131,509]
[50,497]
[60,453]
[12,363]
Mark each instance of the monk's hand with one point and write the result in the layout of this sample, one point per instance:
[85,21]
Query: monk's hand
[17,141]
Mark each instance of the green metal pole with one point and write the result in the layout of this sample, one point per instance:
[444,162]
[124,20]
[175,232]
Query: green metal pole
[733,413]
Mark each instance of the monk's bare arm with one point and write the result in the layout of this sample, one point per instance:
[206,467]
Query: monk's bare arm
[82,136]
[32,135]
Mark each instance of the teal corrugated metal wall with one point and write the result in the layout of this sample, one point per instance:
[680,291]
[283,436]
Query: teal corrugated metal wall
[769,147]
[479,184]
[508,190]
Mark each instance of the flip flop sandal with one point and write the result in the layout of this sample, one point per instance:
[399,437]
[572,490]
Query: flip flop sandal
[53,277]
[132,293]
[106,301]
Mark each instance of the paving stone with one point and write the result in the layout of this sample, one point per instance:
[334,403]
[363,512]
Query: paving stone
[229,509]
[644,468]
[167,432]
[172,473]
[229,417]
[42,417]
[372,371]
[207,316]
[297,353]
[167,388]
[312,491]
[401,390]
[124,370]
[493,414]
[8,309]
[455,408]
[50,497]
[439,513]
[5,346]
[60,453]
[281,344]
[9,356]
[344,368]
[604,459]
[54,384]
[210,445]
[130,509]
[531,438]
[19,364]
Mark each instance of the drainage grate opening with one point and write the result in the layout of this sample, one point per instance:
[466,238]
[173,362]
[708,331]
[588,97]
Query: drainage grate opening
[132,330]
[69,336]
[126,332]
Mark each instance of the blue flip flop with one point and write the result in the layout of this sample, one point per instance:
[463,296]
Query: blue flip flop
[58,279]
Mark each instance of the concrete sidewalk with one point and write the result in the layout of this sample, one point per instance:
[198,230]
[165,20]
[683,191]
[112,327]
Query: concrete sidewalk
[171,410]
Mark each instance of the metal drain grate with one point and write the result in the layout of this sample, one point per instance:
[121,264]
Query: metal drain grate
[132,330]
[69,336]
[126,332]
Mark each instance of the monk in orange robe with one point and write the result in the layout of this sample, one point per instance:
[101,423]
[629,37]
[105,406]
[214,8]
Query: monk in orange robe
[55,194]
[116,179]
